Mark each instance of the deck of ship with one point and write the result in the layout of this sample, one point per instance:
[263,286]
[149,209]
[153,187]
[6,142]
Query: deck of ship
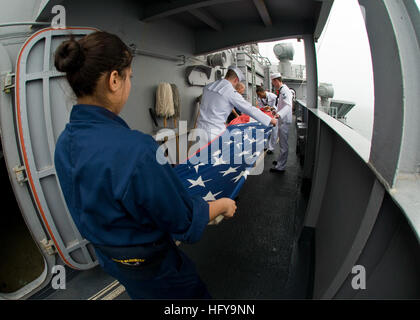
[255,255]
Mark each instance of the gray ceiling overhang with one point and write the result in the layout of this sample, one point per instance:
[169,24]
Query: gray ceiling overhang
[221,24]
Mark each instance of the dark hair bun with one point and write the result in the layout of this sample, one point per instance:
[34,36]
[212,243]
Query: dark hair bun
[69,56]
[85,61]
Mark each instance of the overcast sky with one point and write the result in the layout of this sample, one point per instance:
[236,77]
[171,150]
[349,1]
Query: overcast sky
[343,56]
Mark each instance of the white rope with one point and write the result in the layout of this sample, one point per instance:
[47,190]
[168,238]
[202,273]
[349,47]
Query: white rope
[164,100]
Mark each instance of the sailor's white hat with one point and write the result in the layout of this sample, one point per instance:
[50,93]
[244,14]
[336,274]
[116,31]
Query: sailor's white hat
[275,75]
[238,72]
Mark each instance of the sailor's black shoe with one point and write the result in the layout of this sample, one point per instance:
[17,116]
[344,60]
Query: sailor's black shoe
[269,152]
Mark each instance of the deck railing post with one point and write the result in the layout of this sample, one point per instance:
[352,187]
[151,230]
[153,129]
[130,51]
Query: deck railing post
[311,102]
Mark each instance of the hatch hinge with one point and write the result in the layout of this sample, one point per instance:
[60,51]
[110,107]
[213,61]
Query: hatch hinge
[9,82]
[48,245]
[20,173]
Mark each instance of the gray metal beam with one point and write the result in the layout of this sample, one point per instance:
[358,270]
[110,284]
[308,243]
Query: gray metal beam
[323,18]
[405,18]
[262,10]
[311,102]
[162,10]
[393,30]
[390,98]
[205,17]
[311,71]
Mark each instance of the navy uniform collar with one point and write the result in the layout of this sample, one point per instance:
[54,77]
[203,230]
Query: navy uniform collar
[87,112]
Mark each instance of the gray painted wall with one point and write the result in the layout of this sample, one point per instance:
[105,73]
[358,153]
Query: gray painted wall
[344,203]
[391,258]
[165,37]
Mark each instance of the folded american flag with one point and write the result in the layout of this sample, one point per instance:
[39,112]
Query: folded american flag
[220,169]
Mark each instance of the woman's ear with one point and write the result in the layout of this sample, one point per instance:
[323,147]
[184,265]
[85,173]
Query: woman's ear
[114,82]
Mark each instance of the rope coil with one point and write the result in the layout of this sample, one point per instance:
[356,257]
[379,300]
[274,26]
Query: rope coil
[165,100]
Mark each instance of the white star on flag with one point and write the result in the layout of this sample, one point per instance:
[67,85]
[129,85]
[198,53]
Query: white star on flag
[242,174]
[198,182]
[197,166]
[217,153]
[229,171]
[243,153]
[211,197]
[254,155]
[229,142]
[219,161]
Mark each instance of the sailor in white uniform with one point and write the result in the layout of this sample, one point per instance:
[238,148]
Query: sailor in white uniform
[268,101]
[284,115]
[218,100]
